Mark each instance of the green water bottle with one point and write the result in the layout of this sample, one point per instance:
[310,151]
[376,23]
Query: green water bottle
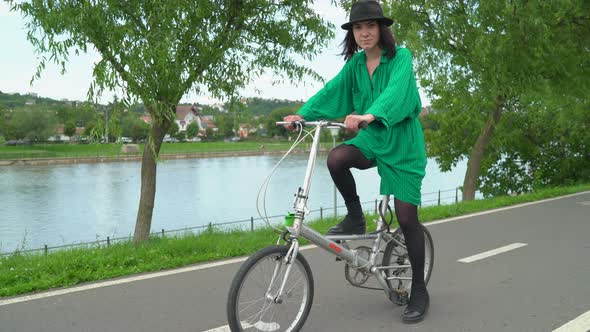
[289,219]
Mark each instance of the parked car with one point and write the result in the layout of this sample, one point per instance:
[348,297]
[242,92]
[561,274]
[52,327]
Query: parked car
[18,142]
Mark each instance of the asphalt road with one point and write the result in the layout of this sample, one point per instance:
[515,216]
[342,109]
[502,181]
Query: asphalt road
[541,284]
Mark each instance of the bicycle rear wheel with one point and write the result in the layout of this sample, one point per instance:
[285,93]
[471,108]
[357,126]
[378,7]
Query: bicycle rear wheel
[251,304]
[396,254]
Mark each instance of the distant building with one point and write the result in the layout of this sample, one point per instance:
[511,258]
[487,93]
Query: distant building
[146,118]
[220,108]
[60,136]
[246,129]
[425,111]
[185,115]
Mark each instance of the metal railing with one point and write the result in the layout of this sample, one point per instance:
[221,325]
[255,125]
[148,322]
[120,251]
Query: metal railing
[250,224]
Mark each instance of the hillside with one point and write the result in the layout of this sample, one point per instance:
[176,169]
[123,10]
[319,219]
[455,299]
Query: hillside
[16,100]
[254,106]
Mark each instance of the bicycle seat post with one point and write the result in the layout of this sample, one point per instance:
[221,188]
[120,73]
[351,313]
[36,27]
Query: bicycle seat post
[383,208]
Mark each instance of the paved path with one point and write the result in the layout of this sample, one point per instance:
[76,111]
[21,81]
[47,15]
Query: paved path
[539,280]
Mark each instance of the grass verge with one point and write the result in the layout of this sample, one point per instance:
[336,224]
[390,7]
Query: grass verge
[20,273]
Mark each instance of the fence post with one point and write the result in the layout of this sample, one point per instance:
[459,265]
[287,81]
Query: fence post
[252,224]
[45,249]
[162,232]
[439,197]
[457,195]
[108,241]
[375,206]
[321,213]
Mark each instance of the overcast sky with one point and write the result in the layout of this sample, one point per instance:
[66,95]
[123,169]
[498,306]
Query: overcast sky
[18,62]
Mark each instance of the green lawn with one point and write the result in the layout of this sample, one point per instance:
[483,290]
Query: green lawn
[109,150]
[24,273]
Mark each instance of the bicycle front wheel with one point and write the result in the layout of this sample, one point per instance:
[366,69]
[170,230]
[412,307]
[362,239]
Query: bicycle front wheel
[252,304]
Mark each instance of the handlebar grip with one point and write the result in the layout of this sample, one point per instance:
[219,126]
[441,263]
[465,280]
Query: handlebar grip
[363,125]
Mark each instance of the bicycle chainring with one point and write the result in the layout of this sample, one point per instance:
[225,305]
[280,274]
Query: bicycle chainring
[355,275]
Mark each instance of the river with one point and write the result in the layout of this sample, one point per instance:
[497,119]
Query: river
[64,204]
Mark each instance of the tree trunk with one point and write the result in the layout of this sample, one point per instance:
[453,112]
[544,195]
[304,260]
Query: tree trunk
[470,182]
[143,223]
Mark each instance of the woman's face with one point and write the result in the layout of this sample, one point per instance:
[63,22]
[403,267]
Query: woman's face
[366,34]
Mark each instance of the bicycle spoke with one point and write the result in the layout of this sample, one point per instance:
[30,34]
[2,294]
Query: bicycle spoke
[251,303]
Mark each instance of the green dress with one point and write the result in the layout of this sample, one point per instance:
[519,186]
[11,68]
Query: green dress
[394,140]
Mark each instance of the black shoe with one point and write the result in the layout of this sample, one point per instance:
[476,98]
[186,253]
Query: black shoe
[418,306]
[350,225]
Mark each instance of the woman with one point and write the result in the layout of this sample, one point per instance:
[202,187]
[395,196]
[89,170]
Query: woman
[377,82]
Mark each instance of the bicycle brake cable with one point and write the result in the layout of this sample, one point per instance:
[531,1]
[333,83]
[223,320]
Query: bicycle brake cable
[264,186]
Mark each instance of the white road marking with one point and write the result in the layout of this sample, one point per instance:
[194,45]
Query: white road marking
[587,203]
[580,324]
[226,328]
[491,252]
[220,329]
[237,260]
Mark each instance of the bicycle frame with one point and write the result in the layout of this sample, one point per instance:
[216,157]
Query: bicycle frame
[329,243]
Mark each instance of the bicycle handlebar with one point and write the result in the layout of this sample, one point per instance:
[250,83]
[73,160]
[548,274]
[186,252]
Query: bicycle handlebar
[362,124]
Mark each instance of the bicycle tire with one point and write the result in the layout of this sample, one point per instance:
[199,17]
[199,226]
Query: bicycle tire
[428,259]
[274,255]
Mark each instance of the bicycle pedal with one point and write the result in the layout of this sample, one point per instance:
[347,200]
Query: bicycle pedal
[399,297]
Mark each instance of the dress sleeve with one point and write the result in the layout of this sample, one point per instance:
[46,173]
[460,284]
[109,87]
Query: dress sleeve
[334,100]
[400,98]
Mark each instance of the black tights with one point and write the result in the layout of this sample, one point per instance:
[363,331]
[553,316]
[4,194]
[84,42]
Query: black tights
[344,157]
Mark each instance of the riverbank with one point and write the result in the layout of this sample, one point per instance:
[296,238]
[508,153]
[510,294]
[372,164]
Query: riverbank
[60,154]
[24,273]
[135,158]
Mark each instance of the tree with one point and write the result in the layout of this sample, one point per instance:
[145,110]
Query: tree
[70,129]
[133,127]
[225,124]
[159,51]
[36,125]
[478,59]
[192,130]
[173,129]
[275,116]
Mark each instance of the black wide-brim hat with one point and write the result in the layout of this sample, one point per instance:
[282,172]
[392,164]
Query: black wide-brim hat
[367,10]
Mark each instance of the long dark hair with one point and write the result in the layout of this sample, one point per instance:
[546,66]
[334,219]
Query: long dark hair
[386,42]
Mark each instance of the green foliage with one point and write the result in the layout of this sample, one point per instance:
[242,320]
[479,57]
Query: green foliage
[89,128]
[468,54]
[134,128]
[11,101]
[35,125]
[276,116]
[263,107]
[546,145]
[70,129]
[225,124]
[173,130]
[181,136]
[192,130]
[157,52]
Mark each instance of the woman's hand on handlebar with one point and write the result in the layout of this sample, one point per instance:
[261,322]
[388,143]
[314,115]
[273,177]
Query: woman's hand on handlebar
[291,118]
[352,121]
